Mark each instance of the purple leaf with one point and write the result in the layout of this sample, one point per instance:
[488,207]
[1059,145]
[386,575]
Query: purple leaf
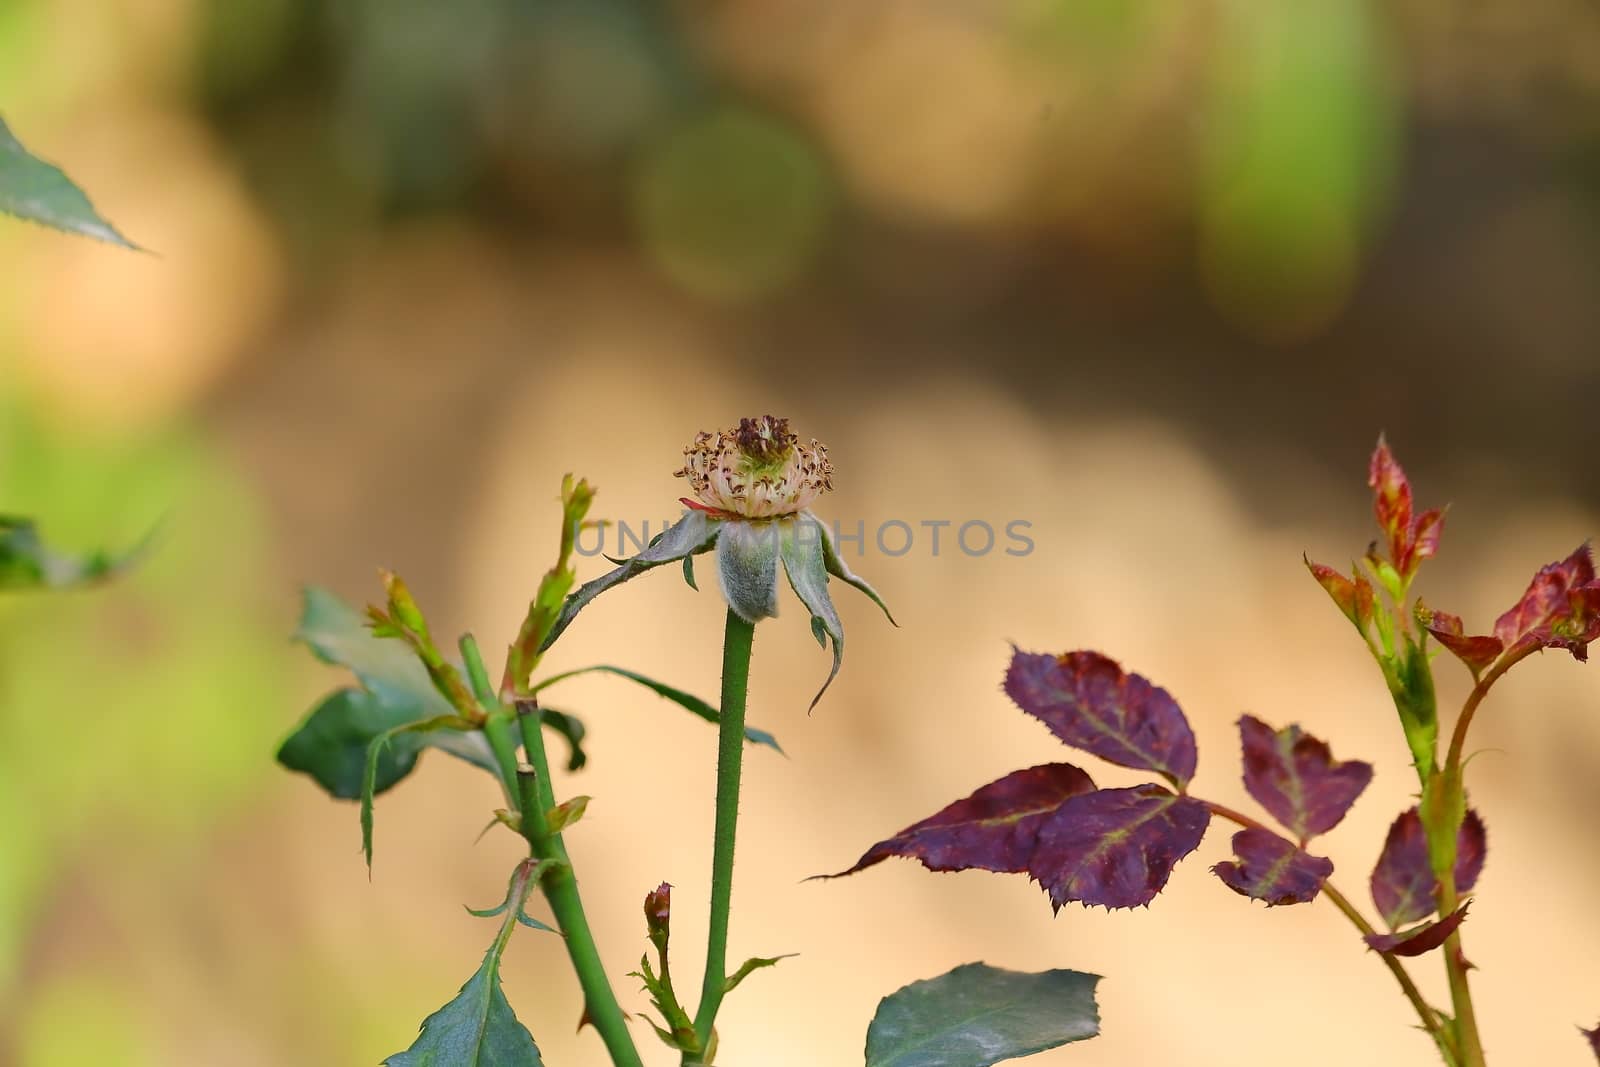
[1476,652]
[1293,775]
[1561,608]
[1419,939]
[1090,703]
[1116,847]
[1273,869]
[1403,885]
[994,829]
[1593,1037]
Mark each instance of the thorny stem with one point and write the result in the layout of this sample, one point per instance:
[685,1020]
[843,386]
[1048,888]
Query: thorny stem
[560,886]
[1426,1014]
[533,795]
[737,638]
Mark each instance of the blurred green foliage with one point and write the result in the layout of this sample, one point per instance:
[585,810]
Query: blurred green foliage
[139,710]
[1298,156]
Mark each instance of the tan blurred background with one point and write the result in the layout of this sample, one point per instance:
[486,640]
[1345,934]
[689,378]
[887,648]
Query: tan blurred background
[1149,275]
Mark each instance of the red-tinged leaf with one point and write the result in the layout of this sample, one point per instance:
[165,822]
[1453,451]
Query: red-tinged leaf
[1391,499]
[1353,597]
[1561,608]
[1403,885]
[994,829]
[1476,652]
[1593,1037]
[1425,534]
[1293,775]
[1273,869]
[1116,847]
[1411,538]
[1419,939]
[1091,703]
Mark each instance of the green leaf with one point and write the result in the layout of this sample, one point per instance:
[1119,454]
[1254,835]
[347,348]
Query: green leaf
[747,568]
[522,881]
[572,730]
[331,745]
[331,742]
[979,1015]
[476,1029]
[336,633]
[694,533]
[545,610]
[802,548]
[26,562]
[750,965]
[687,701]
[566,813]
[836,567]
[34,190]
[375,751]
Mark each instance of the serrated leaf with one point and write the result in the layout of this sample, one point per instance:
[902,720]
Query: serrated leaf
[1089,702]
[695,532]
[1418,939]
[688,701]
[1113,847]
[1272,869]
[27,563]
[1559,609]
[34,190]
[1403,885]
[994,829]
[1116,847]
[476,1029]
[1293,775]
[977,1015]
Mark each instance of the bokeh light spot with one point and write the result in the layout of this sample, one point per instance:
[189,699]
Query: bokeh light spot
[733,205]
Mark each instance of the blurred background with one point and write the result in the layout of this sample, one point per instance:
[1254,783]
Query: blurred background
[1149,276]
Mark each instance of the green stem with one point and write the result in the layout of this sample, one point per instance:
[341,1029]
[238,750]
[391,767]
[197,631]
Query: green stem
[497,727]
[736,641]
[560,886]
[1425,1013]
[1452,779]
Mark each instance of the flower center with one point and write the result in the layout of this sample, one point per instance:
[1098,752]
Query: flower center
[757,471]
